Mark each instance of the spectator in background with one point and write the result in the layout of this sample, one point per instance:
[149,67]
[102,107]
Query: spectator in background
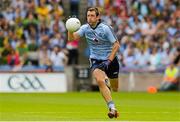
[55,7]
[99,3]
[6,50]
[130,59]
[166,54]
[147,26]
[43,55]
[43,12]
[13,58]
[49,66]
[58,57]
[1,39]
[143,7]
[31,5]
[12,38]
[143,59]
[172,30]
[10,35]
[43,34]
[22,49]
[18,3]
[170,81]
[30,20]
[57,39]
[31,34]
[155,59]
[32,52]
[19,14]
[124,42]
[73,55]
[57,21]
[8,14]
[74,7]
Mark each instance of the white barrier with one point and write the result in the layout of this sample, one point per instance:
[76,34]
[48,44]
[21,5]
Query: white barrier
[33,82]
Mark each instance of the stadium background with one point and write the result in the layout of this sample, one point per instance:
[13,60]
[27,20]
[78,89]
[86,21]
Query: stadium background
[32,31]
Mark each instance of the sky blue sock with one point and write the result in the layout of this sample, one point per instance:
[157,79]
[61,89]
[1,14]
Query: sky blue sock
[111,105]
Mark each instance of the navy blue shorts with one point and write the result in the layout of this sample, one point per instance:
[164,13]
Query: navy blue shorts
[113,68]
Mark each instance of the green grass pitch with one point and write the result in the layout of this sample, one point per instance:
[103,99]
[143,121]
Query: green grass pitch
[89,106]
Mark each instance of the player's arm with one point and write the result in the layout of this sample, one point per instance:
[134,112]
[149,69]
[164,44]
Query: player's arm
[113,39]
[115,49]
[104,65]
[73,36]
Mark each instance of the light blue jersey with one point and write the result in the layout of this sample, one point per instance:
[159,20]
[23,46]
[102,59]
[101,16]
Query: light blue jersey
[100,40]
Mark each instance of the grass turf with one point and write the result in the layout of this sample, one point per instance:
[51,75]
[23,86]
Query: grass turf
[89,106]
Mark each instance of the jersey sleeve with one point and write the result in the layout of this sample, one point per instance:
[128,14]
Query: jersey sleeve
[110,34]
[81,31]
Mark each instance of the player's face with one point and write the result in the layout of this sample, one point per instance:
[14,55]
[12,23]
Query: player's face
[92,19]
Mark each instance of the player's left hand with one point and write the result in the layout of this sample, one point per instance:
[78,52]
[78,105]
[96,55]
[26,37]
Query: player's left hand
[104,65]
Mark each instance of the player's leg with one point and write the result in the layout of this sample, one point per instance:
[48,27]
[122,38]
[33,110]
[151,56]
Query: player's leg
[101,79]
[168,86]
[113,72]
[114,84]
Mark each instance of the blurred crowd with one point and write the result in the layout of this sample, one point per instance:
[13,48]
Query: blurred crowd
[148,30]
[33,33]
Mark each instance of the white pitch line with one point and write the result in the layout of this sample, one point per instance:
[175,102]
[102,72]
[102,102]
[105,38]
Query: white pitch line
[98,112]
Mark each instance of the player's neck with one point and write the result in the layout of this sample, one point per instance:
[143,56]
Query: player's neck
[95,25]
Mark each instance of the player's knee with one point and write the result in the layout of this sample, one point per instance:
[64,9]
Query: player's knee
[99,76]
[100,81]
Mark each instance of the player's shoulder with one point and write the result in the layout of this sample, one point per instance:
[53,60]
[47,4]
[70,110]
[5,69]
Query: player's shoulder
[105,25]
[85,26]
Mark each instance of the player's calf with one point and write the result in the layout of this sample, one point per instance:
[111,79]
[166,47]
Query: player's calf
[114,84]
[108,84]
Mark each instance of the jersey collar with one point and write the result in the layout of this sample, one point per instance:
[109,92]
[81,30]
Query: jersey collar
[96,25]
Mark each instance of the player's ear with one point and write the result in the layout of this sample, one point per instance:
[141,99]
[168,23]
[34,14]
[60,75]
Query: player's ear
[98,17]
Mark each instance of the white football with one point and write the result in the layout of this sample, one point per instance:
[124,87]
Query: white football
[73,24]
